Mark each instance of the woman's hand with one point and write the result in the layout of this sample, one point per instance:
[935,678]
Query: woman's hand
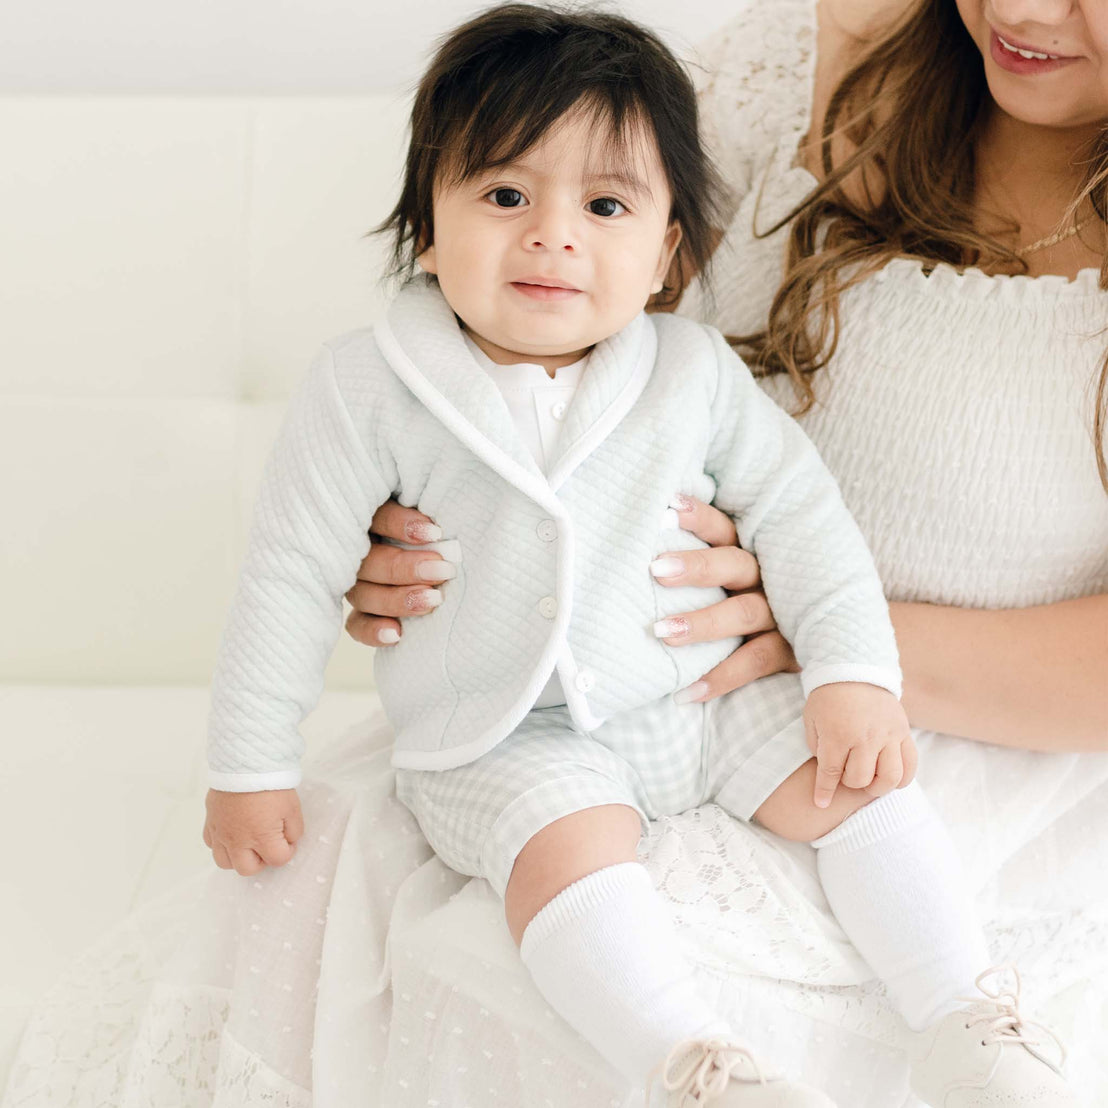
[394,582]
[746,612]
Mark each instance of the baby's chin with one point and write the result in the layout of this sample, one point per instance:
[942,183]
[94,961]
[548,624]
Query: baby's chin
[545,356]
[508,349]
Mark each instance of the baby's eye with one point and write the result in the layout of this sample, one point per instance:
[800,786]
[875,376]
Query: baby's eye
[606,206]
[506,198]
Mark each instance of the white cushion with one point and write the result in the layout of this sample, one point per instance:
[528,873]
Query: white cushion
[173,265]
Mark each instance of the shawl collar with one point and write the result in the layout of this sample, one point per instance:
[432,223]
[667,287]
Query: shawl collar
[422,342]
[618,371]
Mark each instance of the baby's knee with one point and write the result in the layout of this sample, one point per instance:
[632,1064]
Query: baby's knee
[790,812]
[565,851]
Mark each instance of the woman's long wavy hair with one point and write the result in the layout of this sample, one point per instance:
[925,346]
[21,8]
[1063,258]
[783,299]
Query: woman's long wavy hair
[898,182]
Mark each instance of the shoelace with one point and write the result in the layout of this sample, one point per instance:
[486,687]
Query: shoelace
[1006,1025]
[708,1068]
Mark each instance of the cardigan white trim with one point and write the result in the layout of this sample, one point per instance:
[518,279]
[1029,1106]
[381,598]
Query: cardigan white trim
[665,407]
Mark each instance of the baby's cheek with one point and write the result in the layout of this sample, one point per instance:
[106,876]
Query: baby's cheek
[628,289]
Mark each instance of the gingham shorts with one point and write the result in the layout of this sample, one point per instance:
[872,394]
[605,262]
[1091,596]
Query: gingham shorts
[660,759]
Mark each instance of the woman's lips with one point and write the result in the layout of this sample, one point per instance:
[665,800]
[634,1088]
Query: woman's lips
[545,292]
[1017,63]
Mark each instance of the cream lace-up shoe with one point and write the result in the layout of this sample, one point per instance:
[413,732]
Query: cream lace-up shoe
[725,1074]
[988,1056]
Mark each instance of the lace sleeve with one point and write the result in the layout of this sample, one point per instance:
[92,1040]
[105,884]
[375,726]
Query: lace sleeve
[754,81]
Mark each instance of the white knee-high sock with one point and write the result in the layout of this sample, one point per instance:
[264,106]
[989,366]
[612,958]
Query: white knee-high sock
[605,956]
[896,885]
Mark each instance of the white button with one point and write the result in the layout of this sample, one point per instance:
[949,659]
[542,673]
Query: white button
[585,681]
[559,410]
[548,607]
[547,530]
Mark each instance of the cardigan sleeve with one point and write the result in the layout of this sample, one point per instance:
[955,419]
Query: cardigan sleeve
[817,571]
[308,536]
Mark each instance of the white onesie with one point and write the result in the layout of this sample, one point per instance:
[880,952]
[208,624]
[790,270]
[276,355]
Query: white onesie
[538,404]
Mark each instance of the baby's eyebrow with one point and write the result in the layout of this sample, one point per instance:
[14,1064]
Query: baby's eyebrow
[632,184]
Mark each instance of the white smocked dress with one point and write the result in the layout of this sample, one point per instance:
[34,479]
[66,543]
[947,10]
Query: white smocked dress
[956,418]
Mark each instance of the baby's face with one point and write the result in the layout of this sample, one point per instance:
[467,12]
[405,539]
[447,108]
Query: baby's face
[545,257]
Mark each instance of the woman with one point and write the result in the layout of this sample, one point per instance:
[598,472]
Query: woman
[957,409]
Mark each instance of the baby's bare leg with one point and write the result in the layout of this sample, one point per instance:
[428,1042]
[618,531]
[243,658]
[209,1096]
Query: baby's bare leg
[565,851]
[789,812]
[895,882]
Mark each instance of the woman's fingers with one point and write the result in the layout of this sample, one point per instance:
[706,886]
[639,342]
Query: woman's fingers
[391,600]
[392,565]
[743,614]
[709,524]
[404,524]
[373,630]
[757,657]
[394,582]
[725,567]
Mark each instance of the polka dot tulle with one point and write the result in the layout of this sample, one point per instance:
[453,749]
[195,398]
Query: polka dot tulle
[367,972]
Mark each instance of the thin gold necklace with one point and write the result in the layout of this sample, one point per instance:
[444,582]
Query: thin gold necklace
[1058,236]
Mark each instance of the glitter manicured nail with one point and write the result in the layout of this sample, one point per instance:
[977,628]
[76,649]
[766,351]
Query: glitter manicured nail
[671,628]
[693,692]
[420,600]
[436,569]
[682,503]
[667,567]
[388,636]
[419,531]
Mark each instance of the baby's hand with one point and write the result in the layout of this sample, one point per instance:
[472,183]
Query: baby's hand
[860,736]
[247,831]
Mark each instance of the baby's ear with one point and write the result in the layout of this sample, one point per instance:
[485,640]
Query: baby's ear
[665,258]
[426,260]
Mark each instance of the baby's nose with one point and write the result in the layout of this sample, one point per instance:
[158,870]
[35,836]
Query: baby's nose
[553,229]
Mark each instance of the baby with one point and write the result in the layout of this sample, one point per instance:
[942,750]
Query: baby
[518,394]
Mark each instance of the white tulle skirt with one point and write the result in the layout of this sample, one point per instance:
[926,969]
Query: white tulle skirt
[367,973]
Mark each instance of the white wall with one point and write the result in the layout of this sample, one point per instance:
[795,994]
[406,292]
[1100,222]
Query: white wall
[257,46]
[168,266]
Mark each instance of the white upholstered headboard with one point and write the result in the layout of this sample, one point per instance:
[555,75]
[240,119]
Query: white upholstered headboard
[168,266]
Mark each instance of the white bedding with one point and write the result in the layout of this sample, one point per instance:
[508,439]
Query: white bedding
[208,995]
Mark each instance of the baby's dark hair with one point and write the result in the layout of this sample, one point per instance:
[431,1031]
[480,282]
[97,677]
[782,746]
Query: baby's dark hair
[500,82]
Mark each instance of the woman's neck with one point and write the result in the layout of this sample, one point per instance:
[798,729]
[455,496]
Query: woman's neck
[1030,175]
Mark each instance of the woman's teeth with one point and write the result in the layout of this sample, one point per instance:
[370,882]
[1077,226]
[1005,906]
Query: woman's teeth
[1027,53]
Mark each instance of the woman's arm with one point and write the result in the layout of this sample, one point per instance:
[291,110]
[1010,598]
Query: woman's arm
[1035,678]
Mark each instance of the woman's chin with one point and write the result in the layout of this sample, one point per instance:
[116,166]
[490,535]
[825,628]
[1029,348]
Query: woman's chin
[1035,106]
